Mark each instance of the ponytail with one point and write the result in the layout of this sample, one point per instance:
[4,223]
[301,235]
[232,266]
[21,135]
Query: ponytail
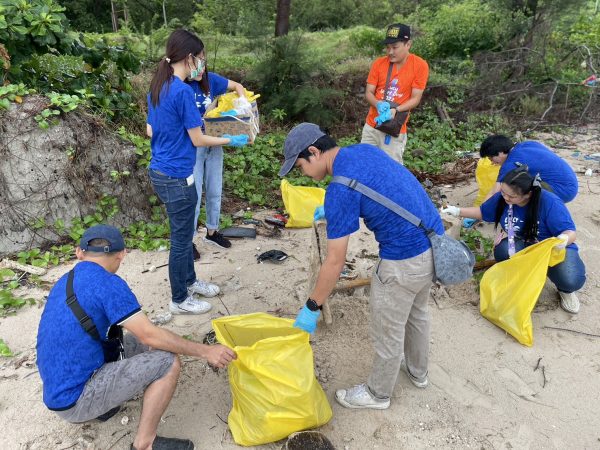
[163,75]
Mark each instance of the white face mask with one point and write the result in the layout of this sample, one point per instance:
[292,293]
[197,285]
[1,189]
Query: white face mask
[200,65]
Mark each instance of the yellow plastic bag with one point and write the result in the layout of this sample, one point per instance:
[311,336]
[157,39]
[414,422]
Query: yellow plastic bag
[300,203]
[225,102]
[486,175]
[510,289]
[273,384]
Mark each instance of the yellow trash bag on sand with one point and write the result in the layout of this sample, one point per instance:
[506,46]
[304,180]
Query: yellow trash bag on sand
[486,175]
[510,289]
[273,385]
[300,203]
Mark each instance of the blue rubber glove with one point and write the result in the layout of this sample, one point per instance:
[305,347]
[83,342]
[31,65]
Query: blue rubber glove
[307,320]
[319,213]
[239,140]
[382,107]
[468,223]
[383,117]
[231,112]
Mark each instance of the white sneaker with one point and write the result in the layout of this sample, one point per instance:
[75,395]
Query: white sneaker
[190,306]
[421,383]
[359,397]
[203,288]
[569,302]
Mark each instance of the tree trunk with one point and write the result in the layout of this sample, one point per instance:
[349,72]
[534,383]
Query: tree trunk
[282,21]
[164,12]
[113,15]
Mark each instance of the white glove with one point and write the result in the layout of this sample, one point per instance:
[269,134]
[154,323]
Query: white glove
[452,210]
[564,241]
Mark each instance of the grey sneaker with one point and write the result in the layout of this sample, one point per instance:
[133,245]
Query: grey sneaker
[203,288]
[359,397]
[190,305]
[418,382]
[569,302]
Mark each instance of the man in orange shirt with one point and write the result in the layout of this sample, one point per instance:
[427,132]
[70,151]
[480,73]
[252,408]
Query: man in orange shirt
[407,82]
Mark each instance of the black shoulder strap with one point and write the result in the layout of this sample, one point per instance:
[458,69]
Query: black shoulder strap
[387,80]
[84,320]
[381,199]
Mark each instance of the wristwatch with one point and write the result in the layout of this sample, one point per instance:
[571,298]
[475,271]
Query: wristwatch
[312,305]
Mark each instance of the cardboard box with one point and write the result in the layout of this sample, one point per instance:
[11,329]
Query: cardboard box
[243,124]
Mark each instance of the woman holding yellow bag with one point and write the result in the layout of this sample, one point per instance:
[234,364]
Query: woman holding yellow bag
[527,214]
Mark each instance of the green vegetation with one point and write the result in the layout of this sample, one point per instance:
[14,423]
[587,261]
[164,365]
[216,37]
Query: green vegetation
[4,350]
[495,66]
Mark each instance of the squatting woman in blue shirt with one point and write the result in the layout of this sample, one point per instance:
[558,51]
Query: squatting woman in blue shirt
[528,214]
[175,126]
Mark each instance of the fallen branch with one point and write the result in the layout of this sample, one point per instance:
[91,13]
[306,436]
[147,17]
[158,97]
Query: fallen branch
[484,264]
[572,331]
[9,264]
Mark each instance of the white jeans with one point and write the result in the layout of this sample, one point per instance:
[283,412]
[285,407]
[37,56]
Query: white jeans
[375,137]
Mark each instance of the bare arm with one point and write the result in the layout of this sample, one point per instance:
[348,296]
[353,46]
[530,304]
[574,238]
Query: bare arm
[162,339]
[148,130]
[472,212]
[370,95]
[237,87]
[199,139]
[412,102]
[331,269]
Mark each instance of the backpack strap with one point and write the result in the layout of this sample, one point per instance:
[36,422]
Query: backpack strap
[84,320]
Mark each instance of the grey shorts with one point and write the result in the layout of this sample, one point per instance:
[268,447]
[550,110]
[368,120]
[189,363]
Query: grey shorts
[116,382]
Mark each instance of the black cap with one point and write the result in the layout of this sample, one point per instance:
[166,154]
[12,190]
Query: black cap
[396,32]
[106,232]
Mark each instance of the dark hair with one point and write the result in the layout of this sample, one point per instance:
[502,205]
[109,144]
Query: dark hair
[180,44]
[495,144]
[99,242]
[523,183]
[324,143]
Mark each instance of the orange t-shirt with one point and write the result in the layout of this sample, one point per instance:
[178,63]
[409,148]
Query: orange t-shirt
[413,74]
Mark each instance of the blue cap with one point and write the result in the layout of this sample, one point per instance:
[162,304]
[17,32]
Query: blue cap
[116,243]
[301,137]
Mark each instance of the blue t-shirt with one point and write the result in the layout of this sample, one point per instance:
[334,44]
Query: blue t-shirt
[398,239]
[172,150]
[553,216]
[540,159]
[217,85]
[66,355]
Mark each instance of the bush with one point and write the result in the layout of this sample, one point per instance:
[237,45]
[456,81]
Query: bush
[368,40]
[291,79]
[460,29]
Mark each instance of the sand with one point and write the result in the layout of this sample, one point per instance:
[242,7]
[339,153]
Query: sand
[484,390]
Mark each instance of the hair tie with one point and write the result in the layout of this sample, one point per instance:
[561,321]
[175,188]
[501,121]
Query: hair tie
[168,60]
[537,181]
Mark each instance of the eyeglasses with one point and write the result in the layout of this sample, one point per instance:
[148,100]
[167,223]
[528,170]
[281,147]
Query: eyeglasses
[509,196]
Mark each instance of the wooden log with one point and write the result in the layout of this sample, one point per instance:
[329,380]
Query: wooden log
[484,264]
[351,284]
[318,252]
[9,264]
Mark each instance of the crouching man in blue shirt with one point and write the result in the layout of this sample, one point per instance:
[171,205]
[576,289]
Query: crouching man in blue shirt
[401,278]
[87,368]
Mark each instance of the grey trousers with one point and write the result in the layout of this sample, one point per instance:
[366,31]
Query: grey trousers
[400,320]
[117,382]
[375,137]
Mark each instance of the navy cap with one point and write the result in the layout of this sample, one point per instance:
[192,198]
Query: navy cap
[396,32]
[301,137]
[116,243]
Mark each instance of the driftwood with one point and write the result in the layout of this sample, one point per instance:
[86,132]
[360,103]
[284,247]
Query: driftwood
[318,252]
[9,264]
